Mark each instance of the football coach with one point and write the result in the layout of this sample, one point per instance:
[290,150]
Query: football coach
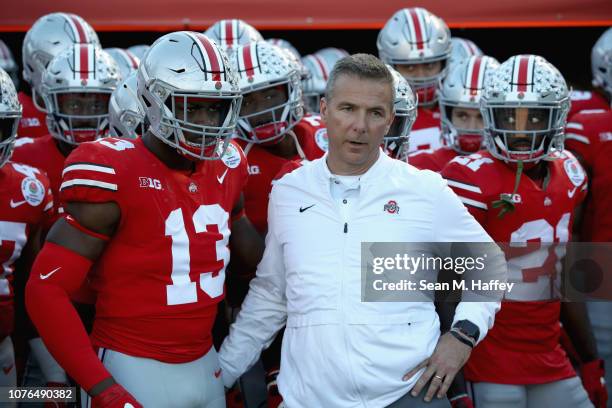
[339,351]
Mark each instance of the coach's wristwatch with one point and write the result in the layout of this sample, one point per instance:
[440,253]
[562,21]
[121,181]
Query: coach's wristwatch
[466,332]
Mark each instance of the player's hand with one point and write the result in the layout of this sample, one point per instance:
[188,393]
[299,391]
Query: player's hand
[593,374]
[462,401]
[114,396]
[447,359]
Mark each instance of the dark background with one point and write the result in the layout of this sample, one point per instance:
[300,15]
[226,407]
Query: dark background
[568,48]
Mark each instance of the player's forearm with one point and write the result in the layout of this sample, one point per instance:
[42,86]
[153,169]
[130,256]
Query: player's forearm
[246,243]
[576,322]
[56,273]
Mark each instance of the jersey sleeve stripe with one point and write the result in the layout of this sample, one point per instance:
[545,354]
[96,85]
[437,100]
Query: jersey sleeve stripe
[88,167]
[574,125]
[578,138]
[473,203]
[88,183]
[464,186]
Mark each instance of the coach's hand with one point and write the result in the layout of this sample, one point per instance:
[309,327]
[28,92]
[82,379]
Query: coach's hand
[447,359]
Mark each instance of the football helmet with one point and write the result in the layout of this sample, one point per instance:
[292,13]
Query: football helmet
[524,106]
[416,36]
[319,65]
[405,105]
[126,61]
[462,48]
[180,70]
[48,36]
[229,34]
[601,62]
[125,113]
[293,55]
[76,88]
[8,63]
[462,88]
[139,50]
[10,113]
[260,66]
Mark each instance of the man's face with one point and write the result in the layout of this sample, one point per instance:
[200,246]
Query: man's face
[83,104]
[199,112]
[425,70]
[261,100]
[467,118]
[358,116]
[522,119]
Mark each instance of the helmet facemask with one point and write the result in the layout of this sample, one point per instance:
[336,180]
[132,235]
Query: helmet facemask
[8,133]
[277,112]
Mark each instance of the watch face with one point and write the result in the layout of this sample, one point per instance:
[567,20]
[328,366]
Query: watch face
[468,328]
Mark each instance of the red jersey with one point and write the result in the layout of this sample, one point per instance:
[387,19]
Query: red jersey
[526,332]
[589,134]
[33,123]
[586,100]
[263,166]
[433,160]
[425,133]
[43,154]
[25,203]
[162,274]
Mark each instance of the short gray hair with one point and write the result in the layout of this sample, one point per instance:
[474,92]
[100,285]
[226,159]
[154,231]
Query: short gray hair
[362,66]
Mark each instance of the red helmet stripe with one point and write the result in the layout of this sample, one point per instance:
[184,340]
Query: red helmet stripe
[82,35]
[418,30]
[131,59]
[84,61]
[475,75]
[229,37]
[248,60]
[522,74]
[322,66]
[212,56]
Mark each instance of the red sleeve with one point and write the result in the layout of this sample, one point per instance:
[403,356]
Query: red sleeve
[465,183]
[288,168]
[90,175]
[423,160]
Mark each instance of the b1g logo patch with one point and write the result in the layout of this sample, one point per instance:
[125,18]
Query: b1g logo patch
[33,191]
[321,139]
[231,157]
[574,171]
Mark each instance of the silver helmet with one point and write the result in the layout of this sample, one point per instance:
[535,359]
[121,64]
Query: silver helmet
[525,99]
[293,55]
[416,36]
[126,61]
[232,33]
[462,48]
[405,106]
[76,88]
[260,66]
[48,36]
[462,88]
[8,63]
[125,113]
[319,65]
[139,50]
[10,113]
[180,70]
[601,62]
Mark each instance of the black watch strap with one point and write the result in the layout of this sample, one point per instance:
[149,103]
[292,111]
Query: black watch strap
[462,338]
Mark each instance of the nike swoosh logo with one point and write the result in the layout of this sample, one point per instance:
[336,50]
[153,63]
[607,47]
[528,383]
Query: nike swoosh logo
[43,277]
[128,405]
[302,209]
[220,179]
[16,204]
[217,373]
[571,193]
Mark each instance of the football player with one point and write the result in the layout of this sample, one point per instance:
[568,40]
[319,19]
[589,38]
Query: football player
[151,219]
[462,48]
[26,202]
[526,188]
[48,36]
[318,65]
[462,124]
[232,33]
[418,45]
[589,136]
